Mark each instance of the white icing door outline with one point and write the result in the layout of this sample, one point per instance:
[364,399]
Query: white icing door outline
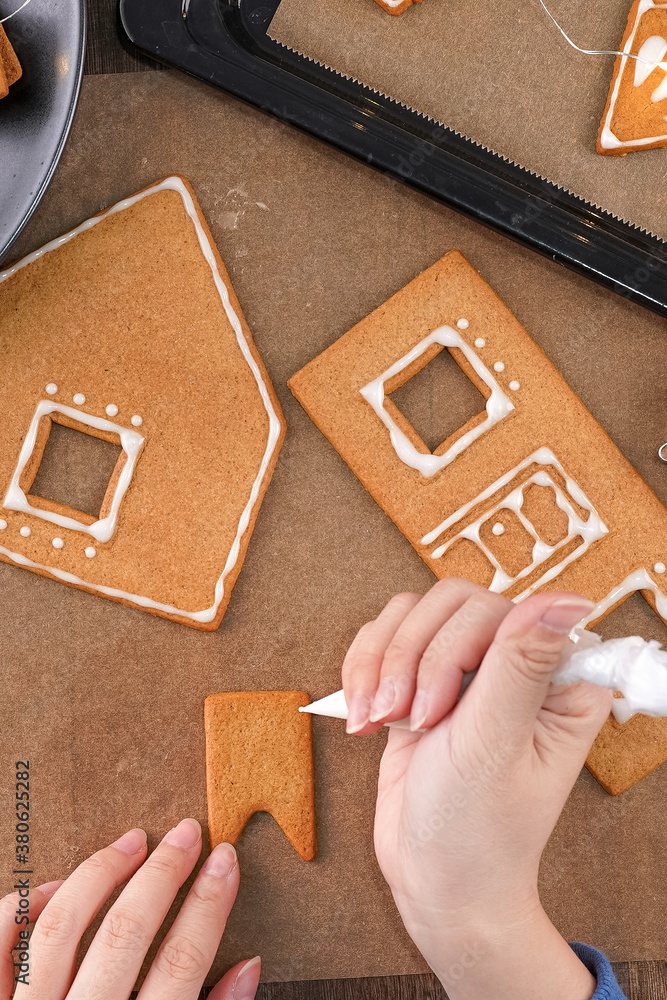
[589,530]
[131,442]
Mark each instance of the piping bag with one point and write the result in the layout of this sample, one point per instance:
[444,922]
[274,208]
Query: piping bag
[631,665]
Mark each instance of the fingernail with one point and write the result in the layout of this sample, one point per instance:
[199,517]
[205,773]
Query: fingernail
[563,615]
[419,710]
[49,888]
[384,700]
[220,861]
[358,713]
[247,979]
[131,842]
[187,834]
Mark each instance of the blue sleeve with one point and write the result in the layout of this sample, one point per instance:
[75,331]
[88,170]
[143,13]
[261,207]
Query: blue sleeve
[599,966]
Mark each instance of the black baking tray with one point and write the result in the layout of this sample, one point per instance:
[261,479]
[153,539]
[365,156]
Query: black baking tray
[225,43]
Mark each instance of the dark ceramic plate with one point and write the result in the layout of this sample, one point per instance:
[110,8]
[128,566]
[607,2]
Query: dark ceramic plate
[49,38]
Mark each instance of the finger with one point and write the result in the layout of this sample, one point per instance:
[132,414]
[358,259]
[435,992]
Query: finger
[515,674]
[113,961]
[572,716]
[17,910]
[55,939]
[188,950]
[240,983]
[361,667]
[400,663]
[456,648]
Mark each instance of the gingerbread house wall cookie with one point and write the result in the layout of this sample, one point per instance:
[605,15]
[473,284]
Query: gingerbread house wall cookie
[529,493]
[127,329]
[635,116]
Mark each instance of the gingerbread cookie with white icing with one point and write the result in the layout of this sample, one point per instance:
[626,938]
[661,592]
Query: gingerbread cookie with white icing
[635,116]
[396,6]
[10,67]
[524,495]
[127,329]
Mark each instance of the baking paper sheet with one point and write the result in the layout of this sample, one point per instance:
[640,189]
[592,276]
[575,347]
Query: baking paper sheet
[499,73]
[107,702]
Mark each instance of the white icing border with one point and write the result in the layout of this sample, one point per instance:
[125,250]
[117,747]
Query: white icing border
[638,580]
[498,405]
[207,614]
[607,138]
[589,531]
[131,443]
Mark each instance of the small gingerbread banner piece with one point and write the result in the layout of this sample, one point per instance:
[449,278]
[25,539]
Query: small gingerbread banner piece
[259,759]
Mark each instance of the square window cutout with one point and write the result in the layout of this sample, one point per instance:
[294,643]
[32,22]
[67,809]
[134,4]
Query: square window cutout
[439,400]
[74,469]
[409,446]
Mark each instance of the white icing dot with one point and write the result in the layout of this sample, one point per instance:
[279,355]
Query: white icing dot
[25,531]
[498,528]
[111,410]
[480,342]
[659,567]
[514,385]
[79,399]
[91,552]
[3,524]
[462,324]
[57,543]
[51,388]
[499,367]
[136,420]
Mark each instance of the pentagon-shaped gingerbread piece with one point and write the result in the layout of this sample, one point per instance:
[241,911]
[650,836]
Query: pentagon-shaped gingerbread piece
[127,329]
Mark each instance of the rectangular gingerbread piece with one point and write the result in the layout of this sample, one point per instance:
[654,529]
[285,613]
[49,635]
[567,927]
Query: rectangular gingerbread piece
[528,493]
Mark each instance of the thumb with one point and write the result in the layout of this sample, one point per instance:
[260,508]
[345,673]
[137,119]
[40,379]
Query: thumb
[516,672]
[239,983]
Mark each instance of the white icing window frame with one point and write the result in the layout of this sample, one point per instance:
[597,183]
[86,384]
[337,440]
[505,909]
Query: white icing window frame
[130,441]
[498,405]
[607,138]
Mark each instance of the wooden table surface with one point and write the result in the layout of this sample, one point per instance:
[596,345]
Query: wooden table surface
[108,52]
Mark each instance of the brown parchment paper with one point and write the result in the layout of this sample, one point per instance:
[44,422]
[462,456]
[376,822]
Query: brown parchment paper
[107,702]
[499,73]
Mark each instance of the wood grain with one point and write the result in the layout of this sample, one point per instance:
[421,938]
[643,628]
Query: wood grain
[109,52]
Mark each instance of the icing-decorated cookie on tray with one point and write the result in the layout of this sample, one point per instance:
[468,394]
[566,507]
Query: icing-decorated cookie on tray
[396,6]
[635,116]
[127,329]
[528,493]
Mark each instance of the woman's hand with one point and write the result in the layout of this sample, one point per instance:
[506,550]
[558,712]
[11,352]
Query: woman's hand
[108,971]
[465,809]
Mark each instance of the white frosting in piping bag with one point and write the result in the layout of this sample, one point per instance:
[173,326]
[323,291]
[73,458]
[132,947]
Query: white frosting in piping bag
[636,668]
